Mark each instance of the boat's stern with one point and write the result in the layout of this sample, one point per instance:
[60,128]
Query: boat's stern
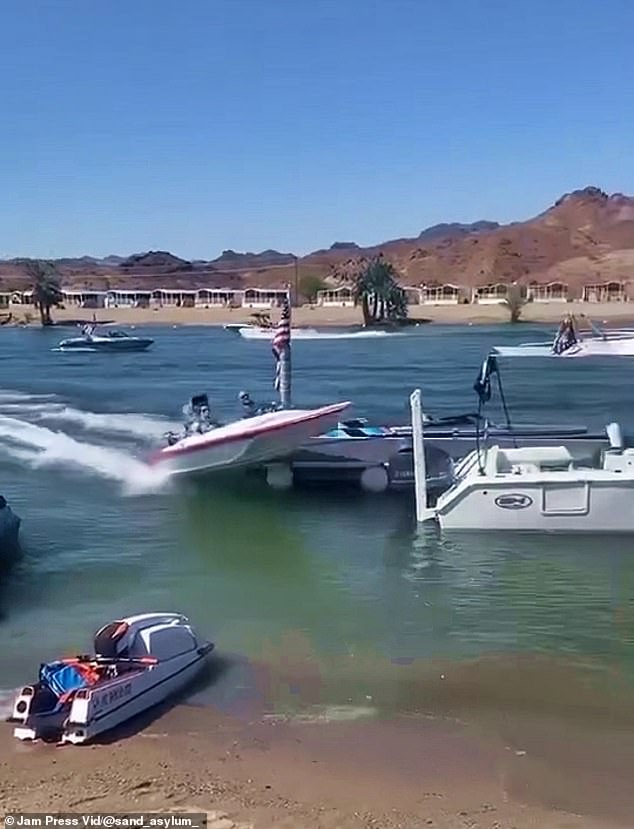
[20,713]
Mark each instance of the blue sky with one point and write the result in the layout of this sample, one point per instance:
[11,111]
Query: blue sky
[199,125]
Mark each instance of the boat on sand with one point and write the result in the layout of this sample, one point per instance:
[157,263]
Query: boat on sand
[139,661]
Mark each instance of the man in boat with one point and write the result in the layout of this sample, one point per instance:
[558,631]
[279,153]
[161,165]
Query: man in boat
[566,335]
[248,404]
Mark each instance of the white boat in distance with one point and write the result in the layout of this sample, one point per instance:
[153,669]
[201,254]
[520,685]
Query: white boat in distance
[611,346]
[249,332]
[245,442]
[570,343]
[139,661]
[542,489]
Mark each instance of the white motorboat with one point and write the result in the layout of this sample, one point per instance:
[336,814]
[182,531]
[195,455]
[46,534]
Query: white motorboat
[253,332]
[139,661]
[542,489]
[206,446]
[569,342]
[617,346]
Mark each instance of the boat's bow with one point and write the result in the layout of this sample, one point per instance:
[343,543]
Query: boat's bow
[249,441]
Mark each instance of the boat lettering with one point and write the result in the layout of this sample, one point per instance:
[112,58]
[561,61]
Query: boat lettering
[106,698]
[514,500]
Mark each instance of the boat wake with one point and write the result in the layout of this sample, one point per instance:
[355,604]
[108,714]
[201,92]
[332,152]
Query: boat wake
[31,431]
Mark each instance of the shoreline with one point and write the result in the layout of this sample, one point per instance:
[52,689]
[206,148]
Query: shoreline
[507,765]
[533,313]
[401,773]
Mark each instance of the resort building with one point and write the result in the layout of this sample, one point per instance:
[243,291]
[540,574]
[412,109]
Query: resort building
[84,299]
[447,294]
[263,298]
[342,297]
[215,298]
[548,292]
[128,299]
[173,297]
[490,294]
[5,299]
[605,292]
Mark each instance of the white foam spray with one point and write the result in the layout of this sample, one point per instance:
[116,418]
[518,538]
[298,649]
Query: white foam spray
[40,447]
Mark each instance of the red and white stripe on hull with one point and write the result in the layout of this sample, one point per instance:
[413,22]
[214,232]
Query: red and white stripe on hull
[249,441]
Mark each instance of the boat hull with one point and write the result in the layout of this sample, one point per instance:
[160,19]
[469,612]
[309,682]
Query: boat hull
[586,505]
[249,333]
[610,347]
[115,346]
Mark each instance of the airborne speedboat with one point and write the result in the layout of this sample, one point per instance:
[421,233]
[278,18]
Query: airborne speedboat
[207,446]
[138,662]
[114,340]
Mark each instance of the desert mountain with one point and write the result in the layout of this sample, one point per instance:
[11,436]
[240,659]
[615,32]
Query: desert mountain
[585,236]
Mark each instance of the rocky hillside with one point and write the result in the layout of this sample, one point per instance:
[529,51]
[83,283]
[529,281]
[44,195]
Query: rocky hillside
[586,236]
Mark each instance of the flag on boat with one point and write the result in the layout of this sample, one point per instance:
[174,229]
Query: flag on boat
[282,339]
[566,336]
[482,385]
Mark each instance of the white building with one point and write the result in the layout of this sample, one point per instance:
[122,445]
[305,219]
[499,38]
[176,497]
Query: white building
[342,297]
[490,294]
[605,292]
[447,294]
[5,299]
[263,298]
[548,292]
[84,298]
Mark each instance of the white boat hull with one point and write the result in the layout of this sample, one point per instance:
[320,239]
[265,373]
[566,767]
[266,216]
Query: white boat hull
[249,333]
[247,442]
[610,347]
[567,500]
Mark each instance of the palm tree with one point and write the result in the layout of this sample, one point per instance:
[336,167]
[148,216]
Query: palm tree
[377,290]
[515,301]
[47,290]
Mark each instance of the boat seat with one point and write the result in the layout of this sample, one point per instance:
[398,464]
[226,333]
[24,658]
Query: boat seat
[529,458]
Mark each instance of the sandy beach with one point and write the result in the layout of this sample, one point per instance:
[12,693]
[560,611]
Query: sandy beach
[401,774]
[492,755]
[606,313]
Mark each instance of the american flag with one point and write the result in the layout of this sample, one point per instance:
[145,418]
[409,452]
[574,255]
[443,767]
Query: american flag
[282,338]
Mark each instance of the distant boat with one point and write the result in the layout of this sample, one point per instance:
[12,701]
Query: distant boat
[114,340]
[254,332]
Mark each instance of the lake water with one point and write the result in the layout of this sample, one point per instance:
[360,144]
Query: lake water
[317,599]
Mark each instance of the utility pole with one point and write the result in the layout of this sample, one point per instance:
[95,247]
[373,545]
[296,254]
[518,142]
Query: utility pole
[296,262]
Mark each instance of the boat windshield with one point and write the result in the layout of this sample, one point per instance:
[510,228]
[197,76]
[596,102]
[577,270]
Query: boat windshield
[117,334]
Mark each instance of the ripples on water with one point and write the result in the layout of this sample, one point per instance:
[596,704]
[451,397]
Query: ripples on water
[334,598]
